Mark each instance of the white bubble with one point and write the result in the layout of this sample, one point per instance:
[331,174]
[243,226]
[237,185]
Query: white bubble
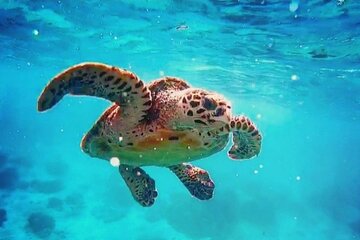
[295,218]
[161,73]
[155,148]
[138,173]
[256,171]
[61,130]
[115,37]
[140,156]
[293,6]
[115,162]
[261,166]
[120,139]
[188,147]
[258,116]
[161,139]
[35,32]
[124,94]
[298,178]
[28,63]
[294,77]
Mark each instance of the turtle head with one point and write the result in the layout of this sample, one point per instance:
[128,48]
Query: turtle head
[204,109]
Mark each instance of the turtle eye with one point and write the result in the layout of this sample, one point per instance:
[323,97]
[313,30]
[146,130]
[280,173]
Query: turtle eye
[209,103]
[219,112]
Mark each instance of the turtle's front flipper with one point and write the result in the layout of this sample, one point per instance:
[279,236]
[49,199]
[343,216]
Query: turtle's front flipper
[195,179]
[142,186]
[99,80]
[246,138]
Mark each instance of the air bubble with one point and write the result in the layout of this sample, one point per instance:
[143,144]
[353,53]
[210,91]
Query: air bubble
[293,6]
[256,171]
[261,166]
[138,173]
[115,162]
[161,73]
[298,178]
[294,77]
[188,147]
[35,32]
[120,139]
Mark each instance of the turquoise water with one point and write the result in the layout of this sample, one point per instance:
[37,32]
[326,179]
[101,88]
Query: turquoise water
[291,66]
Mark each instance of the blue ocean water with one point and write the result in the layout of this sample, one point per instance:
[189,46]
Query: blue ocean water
[291,66]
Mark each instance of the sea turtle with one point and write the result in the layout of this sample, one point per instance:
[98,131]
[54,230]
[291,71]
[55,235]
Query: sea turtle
[164,123]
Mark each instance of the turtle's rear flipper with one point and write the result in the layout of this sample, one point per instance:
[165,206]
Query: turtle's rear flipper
[142,186]
[246,138]
[195,179]
[99,80]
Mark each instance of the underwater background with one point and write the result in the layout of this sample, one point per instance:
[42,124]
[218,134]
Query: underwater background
[291,66]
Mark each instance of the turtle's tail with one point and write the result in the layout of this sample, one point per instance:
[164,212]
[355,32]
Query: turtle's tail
[246,138]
